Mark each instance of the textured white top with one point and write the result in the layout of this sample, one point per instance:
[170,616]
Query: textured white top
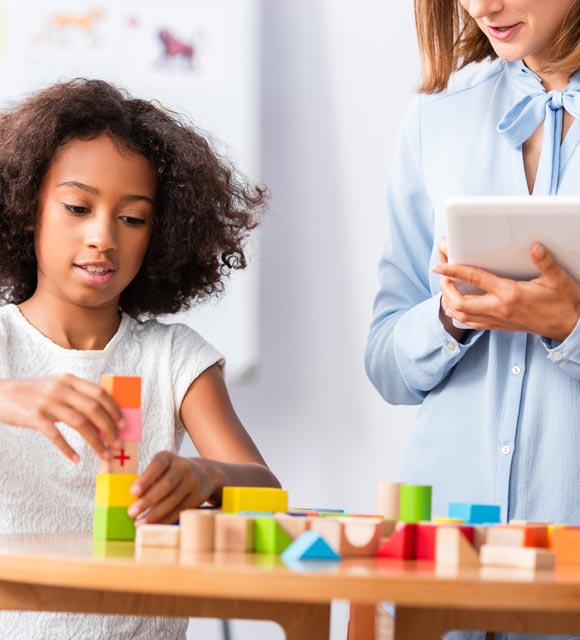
[42,491]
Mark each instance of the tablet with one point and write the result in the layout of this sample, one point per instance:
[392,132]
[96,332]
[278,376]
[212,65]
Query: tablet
[496,233]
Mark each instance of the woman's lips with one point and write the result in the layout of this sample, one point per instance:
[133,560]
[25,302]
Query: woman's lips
[503,33]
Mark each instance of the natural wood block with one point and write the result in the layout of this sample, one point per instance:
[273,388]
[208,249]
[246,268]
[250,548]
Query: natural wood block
[236,499]
[565,542]
[388,499]
[269,536]
[113,523]
[113,489]
[518,536]
[523,557]
[453,548]
[157,535]
[197,529]
[233,533]
[350,536]
[125,460]
[125,390]
[294,526]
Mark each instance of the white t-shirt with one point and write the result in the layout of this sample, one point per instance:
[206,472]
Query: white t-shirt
[42,491]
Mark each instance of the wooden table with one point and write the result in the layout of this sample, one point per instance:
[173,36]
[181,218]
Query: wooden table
[67,573]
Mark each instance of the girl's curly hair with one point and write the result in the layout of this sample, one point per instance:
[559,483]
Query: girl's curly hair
[203,210]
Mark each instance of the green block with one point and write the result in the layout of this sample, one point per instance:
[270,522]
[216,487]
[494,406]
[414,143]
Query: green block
[415,505]
[113,523]
[269,537]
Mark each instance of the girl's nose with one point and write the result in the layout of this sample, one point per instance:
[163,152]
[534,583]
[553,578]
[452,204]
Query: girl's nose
[101,234]
[478,9]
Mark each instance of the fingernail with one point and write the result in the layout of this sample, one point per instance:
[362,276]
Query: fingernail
[133,511]
[539,251]
[121,423]
[436,269]
[118,444]
[135,490]
[75,457]
[106,455]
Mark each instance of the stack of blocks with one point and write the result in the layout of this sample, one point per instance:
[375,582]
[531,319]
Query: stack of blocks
[115,476]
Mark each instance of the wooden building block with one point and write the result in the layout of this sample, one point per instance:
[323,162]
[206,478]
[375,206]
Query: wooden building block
[113,489]
[440,520]
[565,542]
[388,499]
[521,557]
[401,544]
[475,513]
[350,537]
[236,499]
[426,538]
[510,535]
[125,460]
[125,390]
[309,546]
[233,533]
[453,548]
[197,530]
[292,525]
[157,535]
[269,536]
[133,428]
[551,529]
[113,523]
[415,503]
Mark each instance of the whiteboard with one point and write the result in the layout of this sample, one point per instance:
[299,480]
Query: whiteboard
[213,76]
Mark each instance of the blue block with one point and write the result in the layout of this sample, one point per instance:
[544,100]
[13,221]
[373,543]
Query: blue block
[257,514]
[475,513]
[309,546]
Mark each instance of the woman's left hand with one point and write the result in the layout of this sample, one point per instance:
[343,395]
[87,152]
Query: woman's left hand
[169,485]
[548,306]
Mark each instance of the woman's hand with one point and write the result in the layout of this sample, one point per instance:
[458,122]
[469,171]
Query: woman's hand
[547,306]
[38,403]
[169,485]
[445,309]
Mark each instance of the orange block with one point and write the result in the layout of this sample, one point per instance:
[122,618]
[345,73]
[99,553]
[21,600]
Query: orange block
[518,535]
[566,545]
[125,390]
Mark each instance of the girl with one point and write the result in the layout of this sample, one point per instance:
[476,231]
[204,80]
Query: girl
[500,402]
[112,210]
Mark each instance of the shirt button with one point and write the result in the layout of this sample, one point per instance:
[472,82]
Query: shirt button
[516,369]
[451,346]
[505,449]
[557,356]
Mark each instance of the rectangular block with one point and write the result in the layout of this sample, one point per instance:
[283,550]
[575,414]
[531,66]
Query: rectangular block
[113,523]
[125,390]
[401,544]
[197,530]
[233,533]
[292,525]
[453,547]
[133,425]
[475,513]
[270,537]
[565,542]
[157,535]
[521,557]
[125,460]
[511,535]
[236,499]
[113,489]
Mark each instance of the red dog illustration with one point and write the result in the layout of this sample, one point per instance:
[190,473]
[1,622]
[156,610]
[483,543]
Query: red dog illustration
[176,49]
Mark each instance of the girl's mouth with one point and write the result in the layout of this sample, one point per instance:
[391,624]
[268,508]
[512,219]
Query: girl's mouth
[503,33]
[93,275]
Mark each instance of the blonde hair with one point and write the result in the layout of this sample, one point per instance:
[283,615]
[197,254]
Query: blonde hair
[449,39]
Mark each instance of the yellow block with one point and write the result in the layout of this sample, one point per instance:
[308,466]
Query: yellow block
[439,520]
[236,499]
[113,489]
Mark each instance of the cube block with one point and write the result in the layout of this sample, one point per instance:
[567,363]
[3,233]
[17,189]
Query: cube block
[113,523]
[236,499]
[270,537]
[125,460]
[125,390]
[133,425]
[113,489]
[475,513]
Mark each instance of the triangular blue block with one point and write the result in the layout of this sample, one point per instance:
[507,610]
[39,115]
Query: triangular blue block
[309,546]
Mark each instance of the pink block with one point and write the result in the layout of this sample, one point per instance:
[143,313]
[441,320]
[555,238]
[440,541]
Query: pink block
[133,428]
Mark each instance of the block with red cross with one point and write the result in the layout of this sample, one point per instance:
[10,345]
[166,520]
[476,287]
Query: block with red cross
[124,461]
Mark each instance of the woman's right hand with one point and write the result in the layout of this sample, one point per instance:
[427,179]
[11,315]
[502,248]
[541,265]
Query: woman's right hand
[445,311]
[38,403]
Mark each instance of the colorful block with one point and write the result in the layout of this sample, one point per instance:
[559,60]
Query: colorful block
[309,546]
[415,503]
[270,537]
[132,430]
[236,499]
[475,513]
[113,489]
[401,544]
[113,523]
[125,390]
[125,460]
[565,542]
[510,535]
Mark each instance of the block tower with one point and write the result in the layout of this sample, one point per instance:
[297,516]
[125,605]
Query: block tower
[115,477]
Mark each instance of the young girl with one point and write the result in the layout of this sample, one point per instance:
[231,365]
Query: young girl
[498,422]
[112,210]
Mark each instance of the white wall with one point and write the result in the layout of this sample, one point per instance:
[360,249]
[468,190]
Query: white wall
[337,75]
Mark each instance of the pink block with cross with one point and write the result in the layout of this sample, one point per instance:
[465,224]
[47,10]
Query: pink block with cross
[133,425]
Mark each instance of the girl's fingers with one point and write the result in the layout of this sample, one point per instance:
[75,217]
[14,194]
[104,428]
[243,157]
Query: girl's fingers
[98,405]
[157,468]
[47,428]
[173,516]
[163,508]
[61,412]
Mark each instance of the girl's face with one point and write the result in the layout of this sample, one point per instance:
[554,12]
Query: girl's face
[520,29]
[94,223]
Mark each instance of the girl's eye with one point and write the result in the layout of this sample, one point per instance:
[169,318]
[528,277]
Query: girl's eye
[132,221]
[76,209]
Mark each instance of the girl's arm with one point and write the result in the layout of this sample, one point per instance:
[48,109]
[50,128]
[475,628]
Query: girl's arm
[172,483]
[409,351]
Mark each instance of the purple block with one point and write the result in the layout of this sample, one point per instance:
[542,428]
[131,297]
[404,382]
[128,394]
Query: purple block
[133,425]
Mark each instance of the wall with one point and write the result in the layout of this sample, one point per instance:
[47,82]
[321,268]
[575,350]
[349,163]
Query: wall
[337,76]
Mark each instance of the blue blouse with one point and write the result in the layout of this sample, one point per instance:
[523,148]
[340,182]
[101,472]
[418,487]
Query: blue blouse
[499,421]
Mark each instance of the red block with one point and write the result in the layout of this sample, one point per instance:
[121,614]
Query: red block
[401,544]
[426,536]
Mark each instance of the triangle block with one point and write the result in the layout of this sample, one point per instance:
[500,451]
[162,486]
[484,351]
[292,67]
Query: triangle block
[309,546]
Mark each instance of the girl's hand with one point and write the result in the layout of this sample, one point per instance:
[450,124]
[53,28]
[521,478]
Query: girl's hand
[38,403]
[169,485]
[547,306]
